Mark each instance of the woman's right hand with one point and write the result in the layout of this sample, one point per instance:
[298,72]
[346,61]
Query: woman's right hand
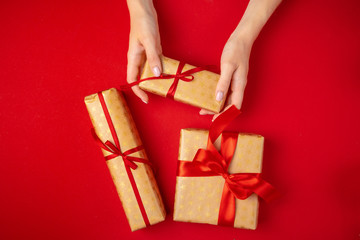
[144,42]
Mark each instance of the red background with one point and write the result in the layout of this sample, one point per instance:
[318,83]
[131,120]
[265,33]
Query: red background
[302,95]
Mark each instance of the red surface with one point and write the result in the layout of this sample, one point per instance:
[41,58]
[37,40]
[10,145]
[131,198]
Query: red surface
[302,95]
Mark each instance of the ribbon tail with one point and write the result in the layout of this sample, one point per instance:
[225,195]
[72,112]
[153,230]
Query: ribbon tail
[129,163]
[266,191]
[227,208]
[221,122]
[171,92]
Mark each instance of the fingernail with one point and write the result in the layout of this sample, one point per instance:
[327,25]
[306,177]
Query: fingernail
[144,101]
[214,117]
[156,71]
[219,96]
[201,113]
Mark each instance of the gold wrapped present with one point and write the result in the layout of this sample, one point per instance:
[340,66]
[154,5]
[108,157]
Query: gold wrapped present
[199,92]
[197,199]
[135,184]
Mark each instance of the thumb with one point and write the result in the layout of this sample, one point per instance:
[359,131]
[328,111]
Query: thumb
[153,58]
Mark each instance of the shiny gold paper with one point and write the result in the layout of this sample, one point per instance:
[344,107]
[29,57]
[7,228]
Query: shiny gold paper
[197,199]
[128,138]
[200,92]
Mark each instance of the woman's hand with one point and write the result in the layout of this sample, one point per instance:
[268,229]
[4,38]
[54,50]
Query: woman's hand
[144,42]
[236,53]
[234,70]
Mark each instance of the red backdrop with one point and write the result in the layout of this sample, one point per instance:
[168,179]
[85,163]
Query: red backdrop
[302,96]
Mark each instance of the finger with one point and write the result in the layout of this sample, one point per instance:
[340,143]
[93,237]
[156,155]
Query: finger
[153,54]
[206,112]
[238,87]
[238,84]
[222,87]
[135,61]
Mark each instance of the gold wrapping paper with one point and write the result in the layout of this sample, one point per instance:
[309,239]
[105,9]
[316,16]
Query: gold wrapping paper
[197,199]
[128,138]
[199,93]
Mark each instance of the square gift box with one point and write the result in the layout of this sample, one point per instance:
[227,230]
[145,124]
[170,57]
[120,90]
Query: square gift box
[197,199]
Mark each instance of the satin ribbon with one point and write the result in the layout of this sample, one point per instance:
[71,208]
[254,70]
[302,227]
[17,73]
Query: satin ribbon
[210,162]
[115,151]
[183,76]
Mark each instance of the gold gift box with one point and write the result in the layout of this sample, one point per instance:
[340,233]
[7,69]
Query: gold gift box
[128,138]
[197,199]
[200,92]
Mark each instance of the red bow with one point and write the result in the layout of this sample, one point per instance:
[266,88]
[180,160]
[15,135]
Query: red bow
[184,76]
[209,162]
[128,160]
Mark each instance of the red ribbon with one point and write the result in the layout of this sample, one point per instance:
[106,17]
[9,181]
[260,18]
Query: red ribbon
[115,151]
[184,76]
[209,162]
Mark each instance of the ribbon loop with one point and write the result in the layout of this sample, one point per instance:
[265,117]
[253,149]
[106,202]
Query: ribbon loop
[112,148]
[184,77]
[128,160]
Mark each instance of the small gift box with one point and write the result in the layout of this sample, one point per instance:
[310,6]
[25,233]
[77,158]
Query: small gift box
[215,184]
[115,132]
[184,83]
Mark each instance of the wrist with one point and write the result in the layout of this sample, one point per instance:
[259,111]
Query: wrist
[140,8]
[243,39]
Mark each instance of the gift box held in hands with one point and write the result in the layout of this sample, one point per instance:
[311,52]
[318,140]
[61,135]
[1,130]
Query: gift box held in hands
[184,83]
[116,133]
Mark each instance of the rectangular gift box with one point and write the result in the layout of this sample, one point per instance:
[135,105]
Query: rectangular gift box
[197,199]
[200,92]
[129,138]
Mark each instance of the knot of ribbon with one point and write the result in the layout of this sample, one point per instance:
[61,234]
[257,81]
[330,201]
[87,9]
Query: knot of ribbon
[225,175]
[241,185]
[210,162]
[116,152]
[179,75]
[187,77]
